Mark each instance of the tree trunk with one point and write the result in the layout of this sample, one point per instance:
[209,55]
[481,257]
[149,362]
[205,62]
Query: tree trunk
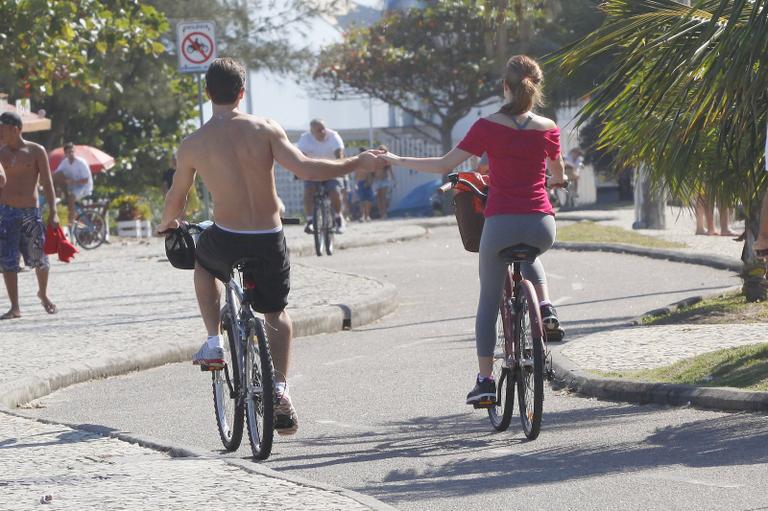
[753,273]
[650,204]
[446,141]
[446,137]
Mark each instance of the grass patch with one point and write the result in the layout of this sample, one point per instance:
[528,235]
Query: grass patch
[745,367]
[723,309]
[587,231]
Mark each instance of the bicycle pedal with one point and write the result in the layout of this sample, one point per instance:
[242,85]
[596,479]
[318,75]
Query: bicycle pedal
[556,335]
[211,367]
[484,405]
[283,422]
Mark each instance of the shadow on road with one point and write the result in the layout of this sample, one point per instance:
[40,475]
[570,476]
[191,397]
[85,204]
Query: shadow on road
[491,461]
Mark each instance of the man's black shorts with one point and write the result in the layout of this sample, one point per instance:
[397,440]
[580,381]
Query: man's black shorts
[218,250]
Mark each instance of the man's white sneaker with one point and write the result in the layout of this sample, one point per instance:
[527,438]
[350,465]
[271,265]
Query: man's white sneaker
[207,355]
[286,420]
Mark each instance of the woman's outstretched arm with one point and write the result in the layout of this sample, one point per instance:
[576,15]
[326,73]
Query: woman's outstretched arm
[437,165]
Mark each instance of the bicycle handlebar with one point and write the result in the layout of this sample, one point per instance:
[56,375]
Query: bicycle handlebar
[454,179]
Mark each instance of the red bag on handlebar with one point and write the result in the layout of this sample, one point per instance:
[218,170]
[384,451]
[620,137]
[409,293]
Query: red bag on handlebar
[468,207]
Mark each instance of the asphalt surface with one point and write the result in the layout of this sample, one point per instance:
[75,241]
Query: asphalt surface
[381,407]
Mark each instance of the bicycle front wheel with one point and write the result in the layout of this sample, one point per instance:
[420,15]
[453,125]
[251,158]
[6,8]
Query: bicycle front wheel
[90,229]
[500,414]
[260,394]
[529,354]
[227,400]
[317,225]
[328,227]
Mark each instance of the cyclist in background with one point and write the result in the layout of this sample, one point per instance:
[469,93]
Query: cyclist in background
[520,145]
[234,153]
[73,176]
[323,143]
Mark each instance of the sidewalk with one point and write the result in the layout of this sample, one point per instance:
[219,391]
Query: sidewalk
[122,307]
[654,346]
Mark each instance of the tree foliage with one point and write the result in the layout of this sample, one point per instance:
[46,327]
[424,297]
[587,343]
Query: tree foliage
[99,69]
[687,94]
[438,62]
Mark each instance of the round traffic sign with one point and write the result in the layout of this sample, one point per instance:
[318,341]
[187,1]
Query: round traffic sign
[197,47]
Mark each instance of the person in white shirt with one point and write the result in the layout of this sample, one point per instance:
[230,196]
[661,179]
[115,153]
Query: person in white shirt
[325,144]
[74,175]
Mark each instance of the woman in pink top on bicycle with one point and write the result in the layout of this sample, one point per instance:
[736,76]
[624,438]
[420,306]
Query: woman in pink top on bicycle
[520,146]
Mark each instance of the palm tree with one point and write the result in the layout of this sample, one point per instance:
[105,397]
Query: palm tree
[688,96]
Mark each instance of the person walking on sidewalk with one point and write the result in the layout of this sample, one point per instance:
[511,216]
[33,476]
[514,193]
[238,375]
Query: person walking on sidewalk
[234,153]
[383,182]
[323,143]
[520,146]
[22,233]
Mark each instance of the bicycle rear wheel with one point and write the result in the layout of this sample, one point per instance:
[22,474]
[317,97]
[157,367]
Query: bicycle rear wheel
[260,394]
[90,229]
[500,415]
[317,224]
[328,226]
[529,356]
[227,401]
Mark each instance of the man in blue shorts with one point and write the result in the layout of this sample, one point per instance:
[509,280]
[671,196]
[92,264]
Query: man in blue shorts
[22,233]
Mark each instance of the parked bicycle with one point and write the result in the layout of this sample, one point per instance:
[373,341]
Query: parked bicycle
[90,227]
[244,386]
[521,359]
[322,221]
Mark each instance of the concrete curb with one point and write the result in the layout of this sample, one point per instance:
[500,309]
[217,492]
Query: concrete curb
[721,263]
[676,306]
[187,452]
[570,376]
[317,320]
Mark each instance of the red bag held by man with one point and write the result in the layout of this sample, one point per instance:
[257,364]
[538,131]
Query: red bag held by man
[57,243]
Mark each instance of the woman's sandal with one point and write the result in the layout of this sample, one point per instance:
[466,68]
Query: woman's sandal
[10,315]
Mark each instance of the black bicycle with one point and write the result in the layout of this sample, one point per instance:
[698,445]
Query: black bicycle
[521,358]
[322,220]
[244,386]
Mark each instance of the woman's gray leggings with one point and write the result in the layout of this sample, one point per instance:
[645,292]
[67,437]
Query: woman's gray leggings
[500,232]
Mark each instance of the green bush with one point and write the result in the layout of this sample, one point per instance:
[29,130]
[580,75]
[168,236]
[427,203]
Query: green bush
[131,207]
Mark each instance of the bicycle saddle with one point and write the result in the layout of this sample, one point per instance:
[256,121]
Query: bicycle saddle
[520,253]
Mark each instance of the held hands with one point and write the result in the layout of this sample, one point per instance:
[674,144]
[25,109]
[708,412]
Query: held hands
[371,160]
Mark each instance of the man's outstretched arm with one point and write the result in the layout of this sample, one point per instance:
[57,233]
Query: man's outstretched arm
[311,169]
[176,198]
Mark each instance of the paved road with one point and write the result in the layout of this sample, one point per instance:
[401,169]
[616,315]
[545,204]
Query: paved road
[381,407]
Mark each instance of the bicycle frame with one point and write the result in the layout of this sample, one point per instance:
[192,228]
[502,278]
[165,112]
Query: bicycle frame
[242,317]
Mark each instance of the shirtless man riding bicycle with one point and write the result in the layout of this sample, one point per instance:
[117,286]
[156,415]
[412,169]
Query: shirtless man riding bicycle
[234,153]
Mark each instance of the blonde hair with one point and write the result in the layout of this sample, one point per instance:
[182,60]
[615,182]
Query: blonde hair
[524,79]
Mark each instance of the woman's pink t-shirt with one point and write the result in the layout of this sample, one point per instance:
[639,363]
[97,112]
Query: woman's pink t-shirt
[518,162]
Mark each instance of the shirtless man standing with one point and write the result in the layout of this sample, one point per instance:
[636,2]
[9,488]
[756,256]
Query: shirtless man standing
[234,153]
[21,225]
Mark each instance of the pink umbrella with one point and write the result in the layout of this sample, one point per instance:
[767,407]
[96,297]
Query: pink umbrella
[98,160]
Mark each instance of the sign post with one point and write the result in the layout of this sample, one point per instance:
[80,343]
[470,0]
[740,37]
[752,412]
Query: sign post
[196,47]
